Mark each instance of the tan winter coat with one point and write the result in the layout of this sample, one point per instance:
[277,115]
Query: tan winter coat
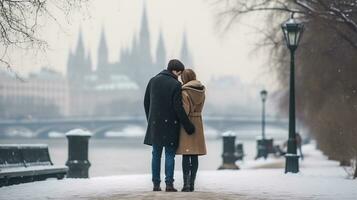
[193,98]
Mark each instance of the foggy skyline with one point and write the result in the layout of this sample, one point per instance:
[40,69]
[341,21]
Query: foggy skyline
[215,52]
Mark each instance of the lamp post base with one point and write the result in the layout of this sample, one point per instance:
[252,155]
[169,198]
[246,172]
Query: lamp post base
[292,163]
[262,150]
[231,166]
[229,151]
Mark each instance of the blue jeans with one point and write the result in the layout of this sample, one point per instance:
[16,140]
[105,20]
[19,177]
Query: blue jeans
[169,163]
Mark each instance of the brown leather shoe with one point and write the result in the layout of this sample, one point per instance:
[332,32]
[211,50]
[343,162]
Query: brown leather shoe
[170,188]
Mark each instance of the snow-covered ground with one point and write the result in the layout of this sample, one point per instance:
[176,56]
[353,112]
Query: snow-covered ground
[318,179]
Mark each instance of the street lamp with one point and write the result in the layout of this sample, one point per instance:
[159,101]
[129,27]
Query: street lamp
[263,95]
[292,30]
[262,143]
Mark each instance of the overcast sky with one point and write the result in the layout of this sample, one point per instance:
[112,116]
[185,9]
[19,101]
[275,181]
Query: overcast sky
[215,52]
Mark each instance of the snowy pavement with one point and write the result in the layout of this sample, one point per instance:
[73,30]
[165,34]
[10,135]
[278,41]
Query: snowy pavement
[318,179]
[175,196]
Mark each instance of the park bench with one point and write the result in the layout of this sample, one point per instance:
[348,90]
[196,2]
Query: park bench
[27,163]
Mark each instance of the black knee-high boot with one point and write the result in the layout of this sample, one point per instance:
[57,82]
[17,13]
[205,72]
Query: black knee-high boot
[186,173]
[194,168]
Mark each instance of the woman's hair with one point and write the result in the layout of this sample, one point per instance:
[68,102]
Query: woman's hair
[188,75]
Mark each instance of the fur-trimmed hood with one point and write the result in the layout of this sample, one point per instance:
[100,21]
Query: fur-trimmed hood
[195,90]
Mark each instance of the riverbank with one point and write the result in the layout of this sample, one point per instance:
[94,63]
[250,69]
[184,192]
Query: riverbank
[319,179]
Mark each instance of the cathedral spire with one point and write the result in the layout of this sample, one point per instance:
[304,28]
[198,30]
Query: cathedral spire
[144,38]
[102,52]
[144,29]
[141,52]
[80,45]
[185,55]
[161,52]
[77,65]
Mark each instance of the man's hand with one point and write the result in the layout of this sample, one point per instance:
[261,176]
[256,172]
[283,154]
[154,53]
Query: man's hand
[190,128]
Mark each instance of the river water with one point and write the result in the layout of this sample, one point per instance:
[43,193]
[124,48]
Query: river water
[127,155]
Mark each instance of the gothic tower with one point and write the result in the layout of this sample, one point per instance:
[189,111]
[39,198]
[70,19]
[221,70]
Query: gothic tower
[143,64]
[144,39]
[78,64]
[185,54]
[160,61]
[103,67]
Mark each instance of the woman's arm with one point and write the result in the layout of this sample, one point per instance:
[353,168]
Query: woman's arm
[186,102]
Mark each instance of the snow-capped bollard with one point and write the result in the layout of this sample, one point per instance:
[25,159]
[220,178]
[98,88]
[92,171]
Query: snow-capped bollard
[229,151]
[77,162]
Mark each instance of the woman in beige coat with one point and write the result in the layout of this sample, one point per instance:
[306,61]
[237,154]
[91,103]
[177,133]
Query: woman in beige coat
[191,146]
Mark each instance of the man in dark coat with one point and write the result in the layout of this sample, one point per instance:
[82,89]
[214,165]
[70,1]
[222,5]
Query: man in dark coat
[165,115]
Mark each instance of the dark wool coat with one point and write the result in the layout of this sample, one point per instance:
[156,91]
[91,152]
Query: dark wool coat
[164,110]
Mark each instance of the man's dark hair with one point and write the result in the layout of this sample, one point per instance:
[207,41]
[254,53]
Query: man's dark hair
[176,65]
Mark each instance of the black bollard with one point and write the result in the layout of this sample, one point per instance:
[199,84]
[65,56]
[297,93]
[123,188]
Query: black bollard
[77,162]
[229,151]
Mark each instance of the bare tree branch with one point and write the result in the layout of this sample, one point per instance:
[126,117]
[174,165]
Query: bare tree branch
[19,21]
[332,11]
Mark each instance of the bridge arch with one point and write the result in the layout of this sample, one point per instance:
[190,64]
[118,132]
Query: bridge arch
[43,132]
[101,131]
[18,131]
[98,126]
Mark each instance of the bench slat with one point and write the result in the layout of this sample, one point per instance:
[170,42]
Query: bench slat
[19,161]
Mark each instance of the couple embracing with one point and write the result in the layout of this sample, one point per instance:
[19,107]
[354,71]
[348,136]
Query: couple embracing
[173,112]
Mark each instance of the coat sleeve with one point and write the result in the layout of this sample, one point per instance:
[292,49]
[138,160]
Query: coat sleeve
[180,111]
[147,100]
[186,102]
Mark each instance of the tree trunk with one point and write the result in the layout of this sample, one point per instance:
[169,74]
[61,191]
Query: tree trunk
[355,175]
[345,163]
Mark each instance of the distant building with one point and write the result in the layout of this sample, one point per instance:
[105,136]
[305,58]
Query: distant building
[135,62]
[117,96]
[79,65]
[235,97]
[185,54]
[114,88]
[43,94]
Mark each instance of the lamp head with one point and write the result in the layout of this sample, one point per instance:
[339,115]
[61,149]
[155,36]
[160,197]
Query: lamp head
[264,95]
[292,29]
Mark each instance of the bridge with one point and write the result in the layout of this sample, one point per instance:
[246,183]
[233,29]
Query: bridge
[99,126]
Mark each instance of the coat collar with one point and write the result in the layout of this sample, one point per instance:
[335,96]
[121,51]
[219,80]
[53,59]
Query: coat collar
[168,73]
[194,85]
[196,91]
